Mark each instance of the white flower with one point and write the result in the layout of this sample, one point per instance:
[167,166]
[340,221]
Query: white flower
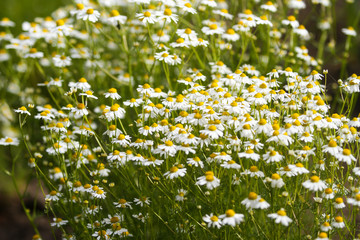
[22,110]
[354,201]
[314,184]
[251,201]
[291,21]
[61,61]
[231,218]
[89,14]
[280,217]
[338,223]
[277,181]
[212,132]
[212,220]
[167,15]
[146,17]
[7,141]
[209,180]
[165,56]
[175,172]
[115,18]
[58,222]
[268,6]
[350,31]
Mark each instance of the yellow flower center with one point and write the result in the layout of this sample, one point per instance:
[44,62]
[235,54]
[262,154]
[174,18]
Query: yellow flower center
[230,213]
[252,196]
[147,14]
[314,179]
[281,213]
[167,12]
[90,11]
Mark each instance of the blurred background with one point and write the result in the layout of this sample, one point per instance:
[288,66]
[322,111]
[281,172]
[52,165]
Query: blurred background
[14,224]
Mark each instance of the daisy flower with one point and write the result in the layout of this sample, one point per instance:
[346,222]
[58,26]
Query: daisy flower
[332,148]
[276,181]
[231,218]
[146,17]
[142,201]
[291,21]
[314,184]
[61,61]
[322,236]
[115,18]
[280,217]
[164,56]
[212,132]
[6,22]
[22,110]
[122,203]
[268,6]
[112,93]
[350,31]
[186,7]
[175,172]
[34,53]
[346,156]
[7,141]
[253,172]
[53,196]
[212,220]
[90,14]
[209,180]
[325,227]
[338,223]
[181,195]
[339,203]
[354,201]
[167,15]
[251,201]
[58,222]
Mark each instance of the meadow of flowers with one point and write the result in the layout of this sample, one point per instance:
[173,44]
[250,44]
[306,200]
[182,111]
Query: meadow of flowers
[170,119]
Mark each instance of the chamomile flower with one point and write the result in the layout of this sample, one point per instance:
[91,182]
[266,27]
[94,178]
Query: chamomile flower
[231,218]
[22,110]
[115,18]
[322,236]
[142,201]
[180,197]
[276,181]
[339,203]
[252,201]
[8,141]
[345,156]
[209,180]
[354,201]
[6,22]
[164,56]
[122,203]
[269,6]
[53,196]
[338,223]
[212,221]
[61,61]
[168,16]
[175,172]
[350,31]
[89,14]
[281,217]
[314,184]
[58,222]
[146,17]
